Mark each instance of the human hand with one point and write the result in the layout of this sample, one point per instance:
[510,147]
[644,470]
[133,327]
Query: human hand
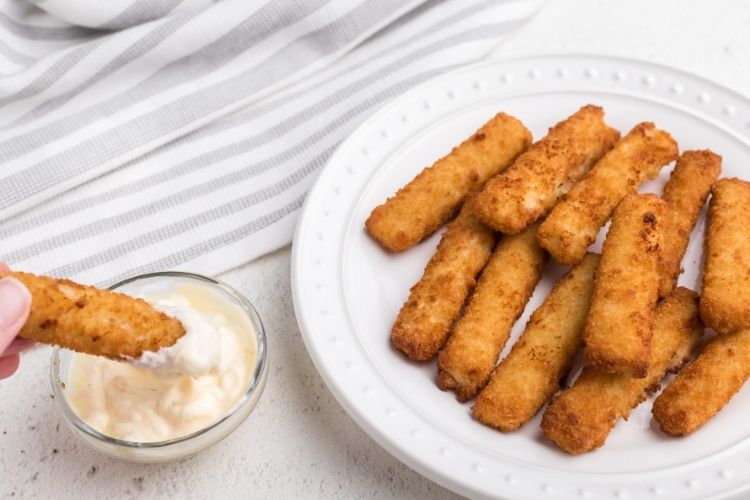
[15,304]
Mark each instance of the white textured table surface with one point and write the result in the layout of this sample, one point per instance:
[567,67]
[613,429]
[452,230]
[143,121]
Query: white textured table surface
[299,442]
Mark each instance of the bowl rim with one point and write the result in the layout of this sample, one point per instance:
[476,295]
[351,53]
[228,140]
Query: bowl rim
[257,384]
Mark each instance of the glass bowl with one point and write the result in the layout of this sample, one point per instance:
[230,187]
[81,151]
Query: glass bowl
[173,449]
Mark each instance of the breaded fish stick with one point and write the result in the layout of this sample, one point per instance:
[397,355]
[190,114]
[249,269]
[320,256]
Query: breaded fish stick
[531,373]
[626,287]
[725,299]
[580,418]
[93,321]
[685,193]
[575,222]
[436,300]
[466,361]
[542,175]
[433,196]
[702,389]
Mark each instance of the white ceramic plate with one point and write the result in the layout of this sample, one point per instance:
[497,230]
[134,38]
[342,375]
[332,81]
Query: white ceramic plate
[347,290]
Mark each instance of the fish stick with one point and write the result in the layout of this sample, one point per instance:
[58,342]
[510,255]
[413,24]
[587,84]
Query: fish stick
[94,321]
[466,361]
[574,223]
[580,418]
[618,329]
[725,299]
[539,177]
[435,301]
[685,193]
[531,373]
[433,196]
[702,389]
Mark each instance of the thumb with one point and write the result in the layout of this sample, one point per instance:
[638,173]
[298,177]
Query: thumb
[15,304]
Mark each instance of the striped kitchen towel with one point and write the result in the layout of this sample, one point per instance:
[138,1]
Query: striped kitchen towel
[141,135]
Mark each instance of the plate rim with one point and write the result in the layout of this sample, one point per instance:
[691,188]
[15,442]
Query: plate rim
[420,464]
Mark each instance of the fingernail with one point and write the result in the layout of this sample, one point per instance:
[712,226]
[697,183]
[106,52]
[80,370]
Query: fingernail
[15,300]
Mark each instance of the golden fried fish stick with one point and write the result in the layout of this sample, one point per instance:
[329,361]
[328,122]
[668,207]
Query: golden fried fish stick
[531,373]
[433,196]
[542,175]
[436,300]
[702,389]
[626,288]
[93,321]
[579,419]
[575,222]
[725,299]
[466,361]
[685,193]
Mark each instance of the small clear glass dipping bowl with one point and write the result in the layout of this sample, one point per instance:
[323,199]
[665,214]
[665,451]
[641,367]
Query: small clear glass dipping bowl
[173,449]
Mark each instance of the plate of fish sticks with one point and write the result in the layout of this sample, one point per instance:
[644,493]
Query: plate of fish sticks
[530,278]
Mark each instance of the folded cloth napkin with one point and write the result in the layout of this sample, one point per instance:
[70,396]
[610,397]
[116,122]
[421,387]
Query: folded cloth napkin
[142,135]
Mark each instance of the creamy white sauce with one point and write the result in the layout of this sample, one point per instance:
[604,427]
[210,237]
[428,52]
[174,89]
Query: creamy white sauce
[179,389]
[196,353]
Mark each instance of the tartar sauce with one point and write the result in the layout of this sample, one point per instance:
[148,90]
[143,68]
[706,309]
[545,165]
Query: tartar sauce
[180,389]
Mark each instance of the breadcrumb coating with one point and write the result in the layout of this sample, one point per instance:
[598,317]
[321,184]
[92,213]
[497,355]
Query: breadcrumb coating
[531,373]
[686,192]
[580,418]
[93,321]
[626,288]
[725,298]
[527,190]
[575,222]
[702,389]
[434,196]
[504,288]
[425,319]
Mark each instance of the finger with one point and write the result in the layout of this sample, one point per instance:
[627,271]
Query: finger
[3,267]
[18,345]
[15,304]
[9,365]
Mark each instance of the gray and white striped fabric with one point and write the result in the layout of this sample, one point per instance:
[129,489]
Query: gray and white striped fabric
[141,135]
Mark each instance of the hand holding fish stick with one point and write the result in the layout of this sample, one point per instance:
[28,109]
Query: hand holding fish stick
[15,304]
[92,321]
